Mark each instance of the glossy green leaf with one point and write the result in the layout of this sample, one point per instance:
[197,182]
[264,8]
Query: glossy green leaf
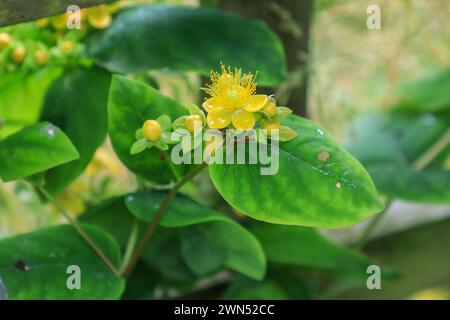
[76,102]
[33,149]
[188,39]
[130,104]
[21,98]
[209,239]
[430,185]
[389,144]
[162,255]
[305,247]
[306,189]
[34,265]
[428,93]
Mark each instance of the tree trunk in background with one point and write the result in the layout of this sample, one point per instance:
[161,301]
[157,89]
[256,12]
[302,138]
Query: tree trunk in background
[290,19]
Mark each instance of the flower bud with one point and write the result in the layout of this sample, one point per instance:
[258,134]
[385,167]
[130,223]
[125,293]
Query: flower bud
[270,126]
[5,40]
[41,57]
[66,46]
[152,130]
[193,122]
[270,107]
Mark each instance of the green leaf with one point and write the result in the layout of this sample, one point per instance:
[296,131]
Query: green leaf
[389,144]
[205,232]
[140,146]
[3,292]
[76,102]
[33,149]
[305,247]
[429,185]
[307,189]
[188,39]
[431,92]
[162,254]
[34,265]
[21,98]
[130,104]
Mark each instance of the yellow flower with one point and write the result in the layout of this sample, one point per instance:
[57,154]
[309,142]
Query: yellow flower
[232,99]
[99,17]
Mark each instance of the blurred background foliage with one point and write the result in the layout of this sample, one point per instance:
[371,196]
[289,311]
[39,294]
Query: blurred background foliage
[347,69]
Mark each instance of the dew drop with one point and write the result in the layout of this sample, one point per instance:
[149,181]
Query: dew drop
[323,156]
[320,131]
[130,198]
[338,185]
[48,131]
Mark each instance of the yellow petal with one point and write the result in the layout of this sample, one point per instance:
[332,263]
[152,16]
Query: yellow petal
[209,104]
[218,118]
[243,120]
[256,102]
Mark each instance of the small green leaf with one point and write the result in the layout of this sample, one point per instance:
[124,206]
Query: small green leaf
[34,265]
[33,149]
[140,146]
[139,133]
[194,109]
[287,133]
[304,188]
[165,122]
[156,38]
[179,122]
[161,145]
[282,113]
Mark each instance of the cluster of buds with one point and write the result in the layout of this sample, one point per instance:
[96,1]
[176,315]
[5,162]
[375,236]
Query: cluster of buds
[59,45]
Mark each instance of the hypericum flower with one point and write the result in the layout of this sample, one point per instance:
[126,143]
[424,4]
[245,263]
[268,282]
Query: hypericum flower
[233,99]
